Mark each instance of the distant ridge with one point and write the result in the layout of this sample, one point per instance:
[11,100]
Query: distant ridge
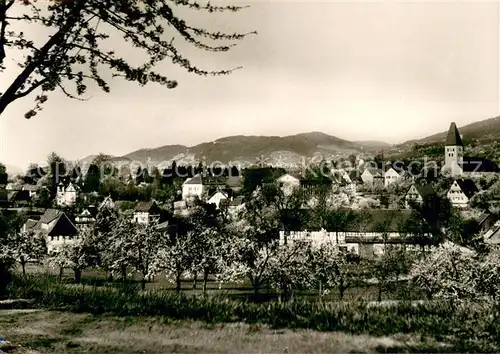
[241,148]
[485,130]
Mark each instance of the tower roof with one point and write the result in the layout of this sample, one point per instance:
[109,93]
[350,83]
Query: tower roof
[453,138]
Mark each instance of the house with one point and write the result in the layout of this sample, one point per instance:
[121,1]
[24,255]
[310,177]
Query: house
[461,191]
[372,176]
[351,180]
[193,187]
[233,206]
[288,183]
[181,208]
[85,220]
[66,195]
[18,198]
[55,226]
[376,230]
[13,187]
[417,193]
[485,222]
[492,236]
[391,176]
[235,183]
[145,212]
[217,197]
[106,203]
[32,189]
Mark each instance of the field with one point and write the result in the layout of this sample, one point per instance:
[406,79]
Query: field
[63,332]
[114,317]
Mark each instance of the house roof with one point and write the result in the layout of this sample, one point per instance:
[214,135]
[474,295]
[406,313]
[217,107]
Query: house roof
[30,187]
[31,224]
[108,201]
[467,186]
[494,237]
[234,182]
[13,187]
[355,176]
[163,226]
[197,179]
[482,218]
[18,196]
[11,195]
[50,215]
[63,227]
[424,190]
[237,201]
[374,171]
[146,207]
[218,191]
[453,138]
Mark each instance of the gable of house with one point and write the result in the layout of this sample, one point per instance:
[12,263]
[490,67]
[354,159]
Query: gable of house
[63,227]
[288,179]
[197,179]
[466,186]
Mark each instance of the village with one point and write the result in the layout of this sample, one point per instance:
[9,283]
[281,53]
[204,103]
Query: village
[384,192]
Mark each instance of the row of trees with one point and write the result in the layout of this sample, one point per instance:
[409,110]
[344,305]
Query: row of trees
[243,246]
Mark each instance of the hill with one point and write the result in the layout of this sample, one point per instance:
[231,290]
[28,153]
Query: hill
[247,149]
[484,131]
[13,171]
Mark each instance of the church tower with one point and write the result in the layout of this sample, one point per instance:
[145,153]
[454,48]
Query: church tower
[453,151]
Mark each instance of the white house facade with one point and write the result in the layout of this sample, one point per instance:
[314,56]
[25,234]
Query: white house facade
[193,187]
[216,198]
[461,191]
[66,196]
[391,176]
[288,183]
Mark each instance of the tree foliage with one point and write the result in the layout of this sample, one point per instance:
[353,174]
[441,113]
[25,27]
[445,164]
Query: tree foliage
[78,50]
[28,246]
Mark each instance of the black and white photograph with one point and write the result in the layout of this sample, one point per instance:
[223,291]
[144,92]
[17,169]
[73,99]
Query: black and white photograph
[261,176]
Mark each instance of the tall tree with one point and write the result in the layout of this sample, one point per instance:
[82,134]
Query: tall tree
[57,168]
[3,174]
[28,246]
[76,52]
[7,259]
[92,179]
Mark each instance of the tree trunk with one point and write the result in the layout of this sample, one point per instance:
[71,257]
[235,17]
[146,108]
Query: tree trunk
[61,270]
[23,265]
[124,273]
[195,279]
[143,283]
[178,283]
[256,286]
[379,297]
[78,275]
[342,289]
[205,281]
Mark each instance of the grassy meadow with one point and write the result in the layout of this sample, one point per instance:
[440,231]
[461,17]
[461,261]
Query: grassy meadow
[112,317]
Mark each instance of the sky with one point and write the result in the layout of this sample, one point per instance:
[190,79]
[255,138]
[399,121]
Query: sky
[373,70]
